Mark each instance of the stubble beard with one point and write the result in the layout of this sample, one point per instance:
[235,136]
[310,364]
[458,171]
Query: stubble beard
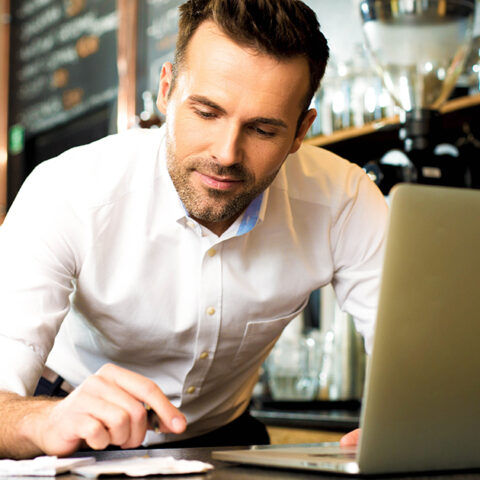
[211,205]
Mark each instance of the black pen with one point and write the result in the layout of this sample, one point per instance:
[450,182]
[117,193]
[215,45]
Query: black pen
[152,418]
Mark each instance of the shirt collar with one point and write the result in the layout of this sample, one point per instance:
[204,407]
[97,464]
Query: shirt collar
[252,215]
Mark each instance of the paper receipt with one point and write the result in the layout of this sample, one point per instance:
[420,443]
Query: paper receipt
[46,466]
[142,466]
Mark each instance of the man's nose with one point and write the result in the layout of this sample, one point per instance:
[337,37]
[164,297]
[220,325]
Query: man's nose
[227,149]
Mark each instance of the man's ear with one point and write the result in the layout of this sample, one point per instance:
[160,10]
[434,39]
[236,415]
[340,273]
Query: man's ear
[302,131]
[164,88]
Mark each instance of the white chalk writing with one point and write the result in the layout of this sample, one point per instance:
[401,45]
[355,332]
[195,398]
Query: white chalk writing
[37,47]
[163,23]
[49,113]
[31,89]
[30,7]
[40,23]
[73,29]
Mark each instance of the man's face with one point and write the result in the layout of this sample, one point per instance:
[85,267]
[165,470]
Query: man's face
[231,122]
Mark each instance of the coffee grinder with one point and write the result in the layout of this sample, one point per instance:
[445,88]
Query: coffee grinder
[419,48]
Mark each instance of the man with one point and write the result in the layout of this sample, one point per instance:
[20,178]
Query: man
[164,265]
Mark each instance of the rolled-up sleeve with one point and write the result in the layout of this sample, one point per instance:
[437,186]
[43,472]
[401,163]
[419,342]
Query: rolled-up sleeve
[38,261]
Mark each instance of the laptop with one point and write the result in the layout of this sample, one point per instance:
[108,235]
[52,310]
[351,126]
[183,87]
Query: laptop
[421,406]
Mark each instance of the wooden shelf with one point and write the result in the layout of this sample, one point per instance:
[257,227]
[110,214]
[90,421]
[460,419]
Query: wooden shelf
[352,132]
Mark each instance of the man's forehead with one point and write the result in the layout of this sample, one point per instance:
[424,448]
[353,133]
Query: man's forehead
[212,54]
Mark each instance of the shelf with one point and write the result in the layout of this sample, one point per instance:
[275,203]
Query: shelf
[353,132]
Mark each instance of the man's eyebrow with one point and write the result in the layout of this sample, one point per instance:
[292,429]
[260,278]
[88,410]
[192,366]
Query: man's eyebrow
[276,122]
[207,102]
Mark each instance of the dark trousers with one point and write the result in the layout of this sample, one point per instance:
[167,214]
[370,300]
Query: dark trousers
[244,430]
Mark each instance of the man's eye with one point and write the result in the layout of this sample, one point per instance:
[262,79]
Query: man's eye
[262,133]
[204,114]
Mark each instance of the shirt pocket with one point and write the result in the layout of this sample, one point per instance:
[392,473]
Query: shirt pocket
[260,335]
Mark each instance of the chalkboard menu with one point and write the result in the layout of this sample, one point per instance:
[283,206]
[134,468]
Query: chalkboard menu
[157,35]
[63,60]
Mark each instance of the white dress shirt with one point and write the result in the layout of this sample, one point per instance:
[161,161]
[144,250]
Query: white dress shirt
[100,263]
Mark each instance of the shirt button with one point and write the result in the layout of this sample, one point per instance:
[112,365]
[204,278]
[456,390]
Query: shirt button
[203,355]
[210,311]
[190,224]
[191,389]
[212,252]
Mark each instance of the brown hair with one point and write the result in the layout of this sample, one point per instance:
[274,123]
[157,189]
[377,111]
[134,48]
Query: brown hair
[281,28]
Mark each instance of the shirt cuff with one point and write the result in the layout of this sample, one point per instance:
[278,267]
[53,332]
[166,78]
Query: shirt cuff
[20,367]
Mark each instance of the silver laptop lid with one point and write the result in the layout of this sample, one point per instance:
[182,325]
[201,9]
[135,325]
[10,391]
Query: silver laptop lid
[422,401]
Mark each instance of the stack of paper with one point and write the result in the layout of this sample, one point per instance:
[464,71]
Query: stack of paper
[50,466]
[41,466]
[142,466]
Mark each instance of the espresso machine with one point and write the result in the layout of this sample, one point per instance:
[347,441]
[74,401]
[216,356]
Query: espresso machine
[419,48]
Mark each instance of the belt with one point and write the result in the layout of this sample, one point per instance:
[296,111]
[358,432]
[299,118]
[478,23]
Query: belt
[57,380]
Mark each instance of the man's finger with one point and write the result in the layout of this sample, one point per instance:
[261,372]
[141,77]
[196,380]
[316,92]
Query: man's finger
[94,433]
[351,439]
[109,391]
[148,392]
[115,419]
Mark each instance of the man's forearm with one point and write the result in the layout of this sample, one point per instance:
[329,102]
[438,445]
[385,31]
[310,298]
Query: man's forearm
[20,423]
[108,408]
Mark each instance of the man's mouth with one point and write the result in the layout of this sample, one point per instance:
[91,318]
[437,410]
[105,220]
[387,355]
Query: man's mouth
[223,183]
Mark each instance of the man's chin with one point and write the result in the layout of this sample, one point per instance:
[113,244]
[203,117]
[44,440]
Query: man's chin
[209,216]
[211,205]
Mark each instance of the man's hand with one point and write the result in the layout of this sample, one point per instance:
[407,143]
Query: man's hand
[351,439]
[107,408]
